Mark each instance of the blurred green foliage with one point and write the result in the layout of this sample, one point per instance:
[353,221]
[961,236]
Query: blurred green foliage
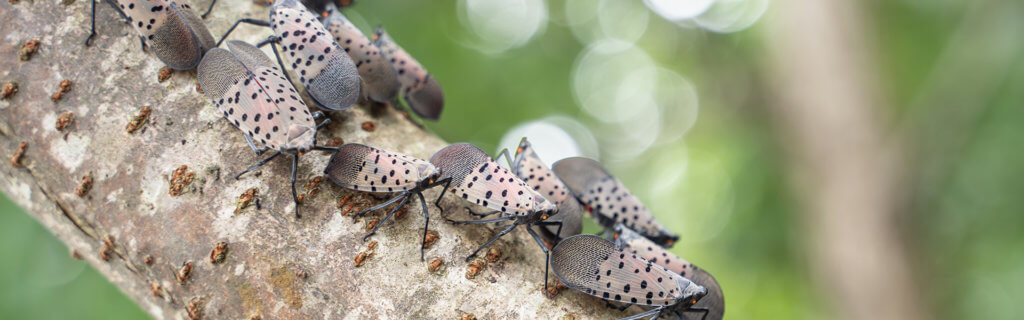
[40,280]
[951,71]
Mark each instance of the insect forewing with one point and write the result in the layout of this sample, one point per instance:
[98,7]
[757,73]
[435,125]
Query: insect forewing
[419,89]
[375,70]
[635,243]
[608,197]
[529,167]
[597,267]
[324,68]
[203,35]
[253,96]
[365,168]
[168,28]
[478,179]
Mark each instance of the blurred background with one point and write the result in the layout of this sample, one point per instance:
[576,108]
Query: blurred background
[687,102]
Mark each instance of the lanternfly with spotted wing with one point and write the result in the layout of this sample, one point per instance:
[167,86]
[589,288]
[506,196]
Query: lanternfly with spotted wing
[249,90]
[482,181]
[597,267]
[326,71]
[528,167]
[375,70]
[609,199]
[419,89]
[365,168]
[635,243]
[172,31]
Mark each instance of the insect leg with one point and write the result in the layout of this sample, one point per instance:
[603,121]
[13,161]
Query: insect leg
[322,123]
[208,9]
[489,221]
[385,204]
[258,164]
[610,305]
[252,145]
[257,22]
[507,158]
[437,203]
[478,214]
[653,312]
[92,13]
[426,224]
[547,257]
[388,217]
[92,30]
[323,148]
[119,11]
[273,44]
[295,197]
[502,233]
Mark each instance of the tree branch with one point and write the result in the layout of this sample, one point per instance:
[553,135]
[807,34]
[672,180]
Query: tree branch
[129,226]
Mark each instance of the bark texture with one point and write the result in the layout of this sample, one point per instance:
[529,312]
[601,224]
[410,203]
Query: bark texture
[129,226]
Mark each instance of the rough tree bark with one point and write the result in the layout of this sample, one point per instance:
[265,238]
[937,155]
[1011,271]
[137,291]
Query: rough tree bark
[848,170]
[130,228]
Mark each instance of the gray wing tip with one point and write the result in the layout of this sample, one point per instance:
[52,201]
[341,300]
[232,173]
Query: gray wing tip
[454,148]
[428,101]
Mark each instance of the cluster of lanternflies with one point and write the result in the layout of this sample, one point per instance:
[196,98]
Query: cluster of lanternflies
[337,65]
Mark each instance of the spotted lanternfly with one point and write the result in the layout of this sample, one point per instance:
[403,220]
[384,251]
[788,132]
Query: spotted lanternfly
[171,30]
[609,200]
[478,179]
[634,243]
[597,267]
[250,92]
[374,69]
[419,89]
[327,72]
[319,6]
[363,168]
[528,167]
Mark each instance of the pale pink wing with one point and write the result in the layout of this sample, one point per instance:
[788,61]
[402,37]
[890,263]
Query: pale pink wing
[595,266]
[419,89]
[365,168]
[252,95]
[479,180]
[374,68]
[636,244]
[528,167]
[327,72]
[169,31]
